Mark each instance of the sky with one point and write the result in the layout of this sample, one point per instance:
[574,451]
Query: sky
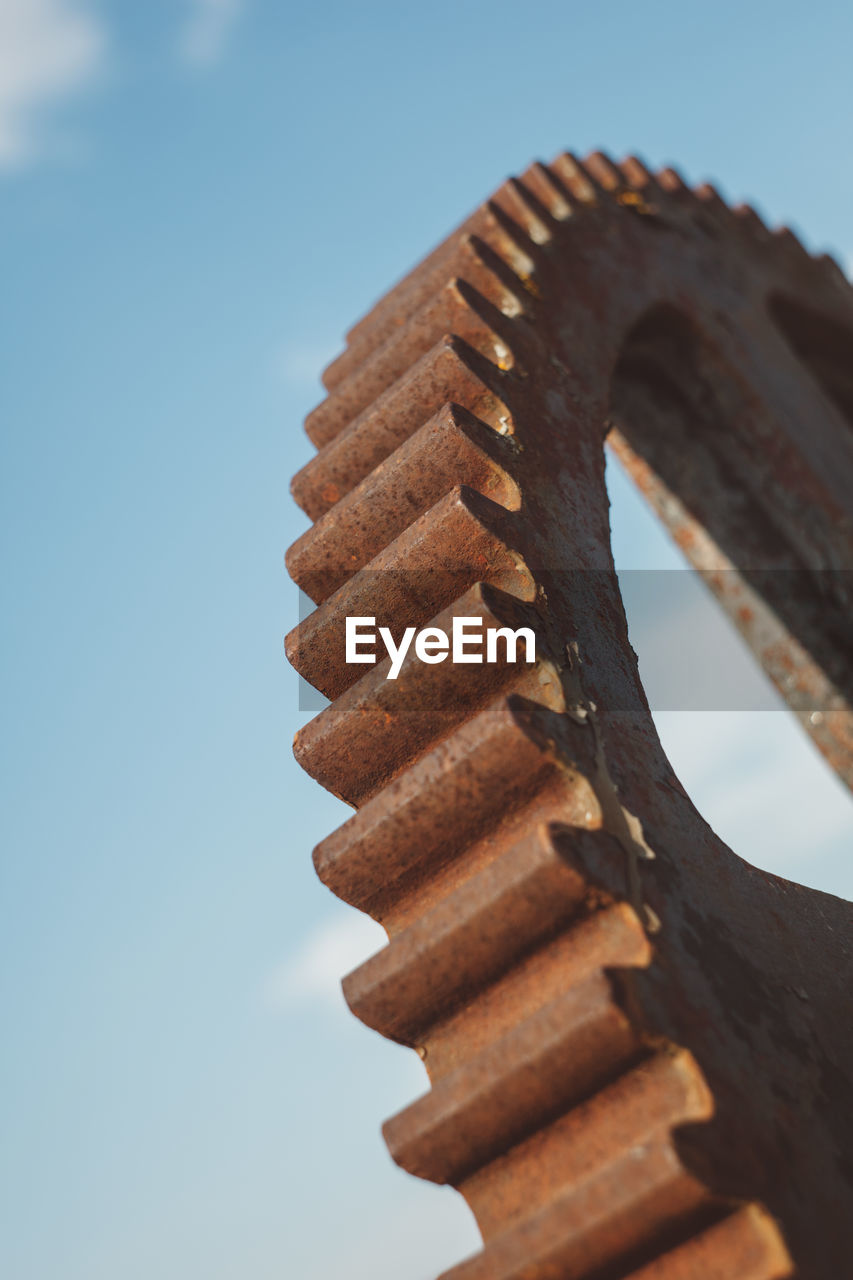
[197,198]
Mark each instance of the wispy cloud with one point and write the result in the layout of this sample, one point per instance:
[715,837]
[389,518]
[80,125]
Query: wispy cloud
[208,27]
[312,974]
[764,789]
[48,50]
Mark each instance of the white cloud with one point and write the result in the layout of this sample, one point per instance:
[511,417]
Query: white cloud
[758,781]
[312,975]
[207,29]
[752,774]
[48,49]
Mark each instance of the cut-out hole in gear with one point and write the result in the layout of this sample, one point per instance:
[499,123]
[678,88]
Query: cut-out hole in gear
[742,766]
[693,437]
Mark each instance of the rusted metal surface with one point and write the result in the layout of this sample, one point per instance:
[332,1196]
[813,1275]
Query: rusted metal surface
[640,1047]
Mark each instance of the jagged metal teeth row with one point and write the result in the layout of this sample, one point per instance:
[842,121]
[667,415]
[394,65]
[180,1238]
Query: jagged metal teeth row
[476,819]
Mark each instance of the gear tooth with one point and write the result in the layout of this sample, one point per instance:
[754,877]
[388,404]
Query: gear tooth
[521,202]
[551,194]
[515,1081]
[636,174]
[379,726]
[495,280]
[671,180]
[602,168]
[451,448]
[473,261]
[785,239]
[459,309]
[492,836]
[564,201]
[750,221]
[746,1243]
[450,372]
[711,198]
[520,250]
[585,1154]
[438,812]
[526,191]
[833,269]
[396,300]
[639,1109]
[469,939]
[581,185]
[463,538]
[505,239]
[392,301]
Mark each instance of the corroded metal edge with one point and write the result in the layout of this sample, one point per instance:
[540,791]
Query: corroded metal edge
[505,822]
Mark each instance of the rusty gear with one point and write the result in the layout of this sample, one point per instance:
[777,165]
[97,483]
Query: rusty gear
[639,1046]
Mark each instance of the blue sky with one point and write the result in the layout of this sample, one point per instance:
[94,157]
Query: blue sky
[196,200]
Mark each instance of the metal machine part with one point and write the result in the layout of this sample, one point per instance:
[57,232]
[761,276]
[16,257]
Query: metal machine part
[640,1047]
